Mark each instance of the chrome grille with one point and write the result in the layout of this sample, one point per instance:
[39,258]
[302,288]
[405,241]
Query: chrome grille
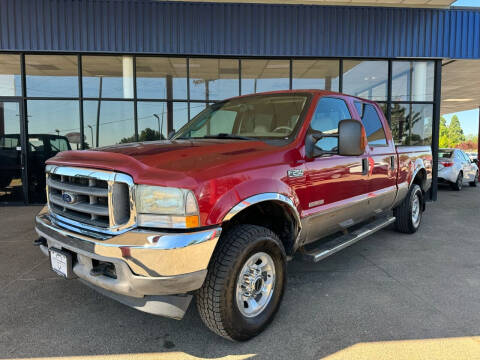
[88,198]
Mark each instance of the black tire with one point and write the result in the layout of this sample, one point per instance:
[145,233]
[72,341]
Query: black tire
[457,185]
[475,181]
[216,299]
[404,221]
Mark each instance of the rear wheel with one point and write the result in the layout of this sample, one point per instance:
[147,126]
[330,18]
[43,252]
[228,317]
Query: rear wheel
[475,180]
[245,283]
[457,185]
[409,213]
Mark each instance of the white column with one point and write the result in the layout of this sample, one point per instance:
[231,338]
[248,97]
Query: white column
[127,62]
[419,81]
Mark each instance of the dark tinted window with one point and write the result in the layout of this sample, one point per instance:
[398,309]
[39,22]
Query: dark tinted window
[445,154]
[372,123]
[329,112]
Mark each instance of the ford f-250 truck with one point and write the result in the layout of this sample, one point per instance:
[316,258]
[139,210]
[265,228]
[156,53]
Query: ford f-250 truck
[216,211]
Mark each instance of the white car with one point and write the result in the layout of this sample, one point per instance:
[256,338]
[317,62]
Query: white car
[456,168]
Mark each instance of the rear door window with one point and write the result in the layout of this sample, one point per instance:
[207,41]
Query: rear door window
[372,123]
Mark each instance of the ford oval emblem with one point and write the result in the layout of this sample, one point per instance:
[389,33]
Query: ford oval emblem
[68,198]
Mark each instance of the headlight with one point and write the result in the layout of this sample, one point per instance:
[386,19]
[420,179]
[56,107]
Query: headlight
[166,207]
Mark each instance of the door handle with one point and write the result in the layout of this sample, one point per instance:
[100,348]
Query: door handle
[392,162]
[365,166]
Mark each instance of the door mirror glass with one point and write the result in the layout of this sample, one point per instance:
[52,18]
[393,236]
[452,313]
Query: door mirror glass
[351,138]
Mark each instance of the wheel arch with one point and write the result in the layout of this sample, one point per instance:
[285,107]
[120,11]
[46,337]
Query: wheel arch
[272,210]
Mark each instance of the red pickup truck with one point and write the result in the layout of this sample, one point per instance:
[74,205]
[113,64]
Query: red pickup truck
[216,211]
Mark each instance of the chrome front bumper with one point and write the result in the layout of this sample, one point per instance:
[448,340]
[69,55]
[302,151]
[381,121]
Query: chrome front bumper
[148,265]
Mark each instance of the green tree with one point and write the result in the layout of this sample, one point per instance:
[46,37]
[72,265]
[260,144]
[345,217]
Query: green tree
[443,138]
[455,132]
[145,135]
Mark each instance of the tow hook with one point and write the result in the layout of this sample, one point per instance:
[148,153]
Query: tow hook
[40,241]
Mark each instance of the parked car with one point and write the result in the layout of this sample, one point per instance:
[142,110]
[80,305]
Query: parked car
[456,168]
[216,211]
[473,156]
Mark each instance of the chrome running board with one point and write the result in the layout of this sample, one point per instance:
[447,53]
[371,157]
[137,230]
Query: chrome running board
[333,246]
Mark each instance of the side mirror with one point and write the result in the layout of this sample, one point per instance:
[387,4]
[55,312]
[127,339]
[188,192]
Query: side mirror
[170,134]
[351,138]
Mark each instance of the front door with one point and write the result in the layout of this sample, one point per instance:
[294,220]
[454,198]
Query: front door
[337,185]
[12,153]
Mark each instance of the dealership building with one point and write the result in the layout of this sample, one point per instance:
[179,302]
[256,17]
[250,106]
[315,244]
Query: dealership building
[87,73]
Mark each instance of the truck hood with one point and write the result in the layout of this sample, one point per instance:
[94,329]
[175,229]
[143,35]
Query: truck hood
[178,162]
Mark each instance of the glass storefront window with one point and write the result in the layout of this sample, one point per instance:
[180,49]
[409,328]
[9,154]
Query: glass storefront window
[265,75]
[180,114]
[315,74]
[412,80]
[53,126]
[152,120]
[10,78]
[107,76]
[51,75]
[196,108]
[366,79]
[161,78]
[213,79]
[113,121]
[412,124]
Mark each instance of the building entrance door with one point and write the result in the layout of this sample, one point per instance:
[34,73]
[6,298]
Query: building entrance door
[12,152]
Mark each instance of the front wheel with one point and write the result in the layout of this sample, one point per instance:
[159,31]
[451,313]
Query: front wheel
[245,283]
[475,180]
[409,213]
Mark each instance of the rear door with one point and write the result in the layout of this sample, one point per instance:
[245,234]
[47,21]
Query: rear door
[382,159]
[336,185]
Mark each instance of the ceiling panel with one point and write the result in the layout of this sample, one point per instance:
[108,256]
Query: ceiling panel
[460,86]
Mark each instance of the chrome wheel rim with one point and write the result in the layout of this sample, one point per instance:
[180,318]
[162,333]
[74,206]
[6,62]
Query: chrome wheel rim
[416,210]
[255,284]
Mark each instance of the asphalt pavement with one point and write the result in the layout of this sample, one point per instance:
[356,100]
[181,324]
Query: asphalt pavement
[366,299]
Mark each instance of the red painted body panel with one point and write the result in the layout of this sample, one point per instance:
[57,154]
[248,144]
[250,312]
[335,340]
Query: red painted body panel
[222,173]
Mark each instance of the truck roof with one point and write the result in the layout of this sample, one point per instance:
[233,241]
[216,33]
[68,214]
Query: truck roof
[310,91]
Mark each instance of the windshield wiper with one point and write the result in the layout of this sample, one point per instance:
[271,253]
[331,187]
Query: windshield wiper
[228,136]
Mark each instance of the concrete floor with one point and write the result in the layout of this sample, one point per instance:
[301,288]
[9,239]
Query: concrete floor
[387,287]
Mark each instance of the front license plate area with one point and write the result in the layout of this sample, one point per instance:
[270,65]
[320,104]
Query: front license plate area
[61,263]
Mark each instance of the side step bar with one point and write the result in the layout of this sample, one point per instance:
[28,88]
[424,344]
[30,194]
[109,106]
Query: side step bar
[333,246]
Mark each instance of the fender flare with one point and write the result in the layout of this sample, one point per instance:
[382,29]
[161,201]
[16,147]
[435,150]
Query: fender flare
[255,199]
[419,166]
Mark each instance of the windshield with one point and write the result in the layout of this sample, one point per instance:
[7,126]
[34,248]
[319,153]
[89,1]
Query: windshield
[259,117]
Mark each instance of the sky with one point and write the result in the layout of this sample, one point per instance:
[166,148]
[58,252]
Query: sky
[468,120]
[466,3]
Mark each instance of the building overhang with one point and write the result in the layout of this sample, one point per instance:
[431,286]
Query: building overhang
[441,4]
[239,29]
[460,86]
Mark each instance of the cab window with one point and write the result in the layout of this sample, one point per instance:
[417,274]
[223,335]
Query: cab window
[372,123]
[328,113]
[59,144]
